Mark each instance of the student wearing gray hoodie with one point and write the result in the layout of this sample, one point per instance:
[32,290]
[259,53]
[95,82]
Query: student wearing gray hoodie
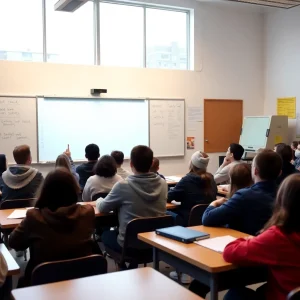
[21,181]
[143,194]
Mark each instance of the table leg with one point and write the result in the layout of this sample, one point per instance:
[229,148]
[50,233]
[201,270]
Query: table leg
[155,259]
[214,290]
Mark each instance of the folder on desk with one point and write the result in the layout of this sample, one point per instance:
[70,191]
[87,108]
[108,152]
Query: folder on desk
[182,234]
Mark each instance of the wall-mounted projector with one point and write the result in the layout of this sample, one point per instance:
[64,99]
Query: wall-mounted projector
[69,5]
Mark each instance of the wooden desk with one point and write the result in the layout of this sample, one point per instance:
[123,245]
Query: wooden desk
[201,263]
[13,267]
[172,183]
[143,283]
[13,223]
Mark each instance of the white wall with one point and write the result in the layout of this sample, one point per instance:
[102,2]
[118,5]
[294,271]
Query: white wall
[282,59]
[228,63]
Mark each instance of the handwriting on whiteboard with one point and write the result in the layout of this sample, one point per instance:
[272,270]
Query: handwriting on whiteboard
[13,123]
[169,116]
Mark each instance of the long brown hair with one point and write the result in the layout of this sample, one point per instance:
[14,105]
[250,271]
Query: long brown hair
[59,189]
[241,178]
[207,178]
[63,161]
[287,206]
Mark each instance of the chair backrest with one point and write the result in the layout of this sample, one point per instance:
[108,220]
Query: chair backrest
[294,294]
[18,203]
[196,214]
[69,269]
[140,225]
[99,195]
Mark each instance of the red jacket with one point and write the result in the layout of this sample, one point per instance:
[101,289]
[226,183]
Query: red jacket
[275,249]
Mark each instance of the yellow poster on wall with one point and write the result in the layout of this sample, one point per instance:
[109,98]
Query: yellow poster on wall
[278,139]
[287,107]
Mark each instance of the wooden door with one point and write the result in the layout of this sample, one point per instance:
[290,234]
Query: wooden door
[223,120]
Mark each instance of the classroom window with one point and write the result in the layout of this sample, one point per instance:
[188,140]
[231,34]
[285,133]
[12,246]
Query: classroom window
[21,31]
[131,34]
[121,35]
[70,37]
[166,39]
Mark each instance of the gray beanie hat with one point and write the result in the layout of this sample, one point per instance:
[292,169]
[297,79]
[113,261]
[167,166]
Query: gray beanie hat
[199,161]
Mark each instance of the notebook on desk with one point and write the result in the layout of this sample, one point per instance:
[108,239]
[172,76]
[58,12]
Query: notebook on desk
[182,234]
[217,244]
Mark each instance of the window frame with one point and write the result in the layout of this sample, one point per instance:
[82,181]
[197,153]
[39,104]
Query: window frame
[96,25]
[153,6]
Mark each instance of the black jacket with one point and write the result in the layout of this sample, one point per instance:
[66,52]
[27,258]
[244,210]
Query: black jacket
[190,192]
[85,171]
[287,169]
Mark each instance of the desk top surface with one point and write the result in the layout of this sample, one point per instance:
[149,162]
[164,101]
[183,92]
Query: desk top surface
[12,223]
[170,181]
[13,267]
[199,256]
[131,285]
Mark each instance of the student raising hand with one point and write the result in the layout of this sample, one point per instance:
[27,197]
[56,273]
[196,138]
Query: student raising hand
[68,152]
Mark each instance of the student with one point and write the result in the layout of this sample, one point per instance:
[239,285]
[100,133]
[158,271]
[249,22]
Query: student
[86,170]
[277,247]
[3,269]
[57,228]
[3,168]
[155,167]
[249,209]
[294,146]
[297,159]
[66,162]
[233,157]
[104,180]
[119,158]
[143,194]
[286,154]
[240,178]
[197,187]
[5,285]
[21,181]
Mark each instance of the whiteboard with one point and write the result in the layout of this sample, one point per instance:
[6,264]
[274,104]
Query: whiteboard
[112,124]
[254,131]
[167,130]
[17,125]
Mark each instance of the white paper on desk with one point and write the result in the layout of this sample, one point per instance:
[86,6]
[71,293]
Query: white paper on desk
[18,214]
[216,244]
[175,202]
[225,186]
[173,178]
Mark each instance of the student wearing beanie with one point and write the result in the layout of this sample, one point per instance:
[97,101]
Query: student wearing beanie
[197,187]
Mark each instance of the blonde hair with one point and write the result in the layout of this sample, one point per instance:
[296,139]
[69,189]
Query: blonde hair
[63,161]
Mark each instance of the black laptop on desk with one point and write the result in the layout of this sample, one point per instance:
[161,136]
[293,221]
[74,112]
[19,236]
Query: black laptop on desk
[182,234]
